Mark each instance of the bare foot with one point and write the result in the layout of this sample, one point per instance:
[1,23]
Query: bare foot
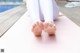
[37,28]
[50,28]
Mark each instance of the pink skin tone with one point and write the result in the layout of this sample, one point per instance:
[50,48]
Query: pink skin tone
[37,28]
[48,27]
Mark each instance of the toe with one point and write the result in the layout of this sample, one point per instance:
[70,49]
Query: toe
[45,25]
[34,27]
[41,25]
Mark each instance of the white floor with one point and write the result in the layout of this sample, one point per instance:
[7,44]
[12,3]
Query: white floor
[20,39]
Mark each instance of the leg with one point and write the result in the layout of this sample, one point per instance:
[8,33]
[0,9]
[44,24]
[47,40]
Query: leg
[33,8]
[50,12]
[47,9]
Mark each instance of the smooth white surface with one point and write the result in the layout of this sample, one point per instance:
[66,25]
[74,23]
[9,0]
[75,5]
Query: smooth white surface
[20,39]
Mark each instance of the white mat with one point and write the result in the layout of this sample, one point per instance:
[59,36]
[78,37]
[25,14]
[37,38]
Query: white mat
[19,39]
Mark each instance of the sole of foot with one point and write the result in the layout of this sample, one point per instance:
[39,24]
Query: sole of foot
[37,28]
[50,28]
